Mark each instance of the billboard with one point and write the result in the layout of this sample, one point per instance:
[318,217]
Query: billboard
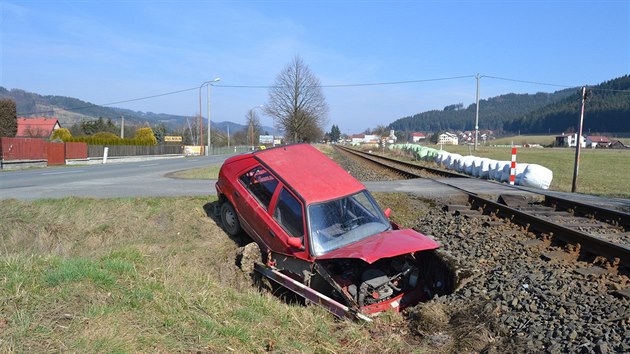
[172,139]
[265,139]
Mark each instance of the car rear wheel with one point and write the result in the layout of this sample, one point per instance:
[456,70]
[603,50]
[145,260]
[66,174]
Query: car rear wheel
[229,219]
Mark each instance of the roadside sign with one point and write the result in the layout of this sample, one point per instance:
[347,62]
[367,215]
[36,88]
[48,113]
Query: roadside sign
[172,138]
[265,139]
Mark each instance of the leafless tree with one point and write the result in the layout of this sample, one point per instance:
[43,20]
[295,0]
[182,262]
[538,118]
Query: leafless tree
[297,103]
[253,127]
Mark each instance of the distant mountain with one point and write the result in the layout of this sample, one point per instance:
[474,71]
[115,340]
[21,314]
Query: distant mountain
[71,110]
[234,127]
[607,110]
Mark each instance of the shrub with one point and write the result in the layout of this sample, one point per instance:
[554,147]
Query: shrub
[62,134]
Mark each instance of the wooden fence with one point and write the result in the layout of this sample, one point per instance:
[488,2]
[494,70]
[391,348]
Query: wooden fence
[33,149]
[22,149]
[134,150]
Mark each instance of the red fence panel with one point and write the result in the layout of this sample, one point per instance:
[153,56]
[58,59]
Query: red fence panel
[23,149]
[76,150]
[56,153]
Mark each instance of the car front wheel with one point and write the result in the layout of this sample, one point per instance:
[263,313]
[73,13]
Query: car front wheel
[229,219]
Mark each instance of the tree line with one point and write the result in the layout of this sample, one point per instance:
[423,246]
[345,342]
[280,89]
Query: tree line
[608,110]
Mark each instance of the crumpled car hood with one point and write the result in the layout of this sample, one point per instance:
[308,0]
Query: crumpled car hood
[386,244]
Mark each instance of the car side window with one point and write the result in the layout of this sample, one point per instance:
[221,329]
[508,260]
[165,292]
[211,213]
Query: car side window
[260,183]
[289,214]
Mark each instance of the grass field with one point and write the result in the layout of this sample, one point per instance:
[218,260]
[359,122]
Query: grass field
[602,171]
[545,140]
[151,275]
[210,172]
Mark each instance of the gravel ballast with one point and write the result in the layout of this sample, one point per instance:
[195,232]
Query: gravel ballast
[527,293]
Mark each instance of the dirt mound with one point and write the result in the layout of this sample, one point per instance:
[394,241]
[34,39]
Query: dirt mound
[466,328]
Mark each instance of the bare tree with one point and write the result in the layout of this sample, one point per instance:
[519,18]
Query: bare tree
[297,103]
[253,127]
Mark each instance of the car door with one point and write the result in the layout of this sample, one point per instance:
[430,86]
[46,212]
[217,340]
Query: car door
[289,221]
[259,186]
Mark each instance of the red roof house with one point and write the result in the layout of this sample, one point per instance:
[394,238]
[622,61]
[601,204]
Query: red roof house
[593,141]
[415,137]
[36,127]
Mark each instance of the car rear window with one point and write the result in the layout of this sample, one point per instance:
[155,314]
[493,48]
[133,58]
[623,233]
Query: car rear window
[260,183]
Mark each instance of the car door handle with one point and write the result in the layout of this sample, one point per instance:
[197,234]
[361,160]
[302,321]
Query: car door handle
[273,234]
[236,194]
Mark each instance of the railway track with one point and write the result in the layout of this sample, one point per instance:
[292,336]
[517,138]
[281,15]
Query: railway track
[598,231]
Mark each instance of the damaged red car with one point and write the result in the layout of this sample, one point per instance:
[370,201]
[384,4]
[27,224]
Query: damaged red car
[322,235]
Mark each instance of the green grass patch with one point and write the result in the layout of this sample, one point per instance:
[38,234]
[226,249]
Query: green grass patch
[602,171]
[210,172]
[544,140]
[148,275]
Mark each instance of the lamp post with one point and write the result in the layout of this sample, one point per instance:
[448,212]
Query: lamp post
[208,84]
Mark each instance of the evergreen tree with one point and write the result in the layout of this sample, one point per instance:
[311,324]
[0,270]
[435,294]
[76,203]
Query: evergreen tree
[8,118]
[335,133]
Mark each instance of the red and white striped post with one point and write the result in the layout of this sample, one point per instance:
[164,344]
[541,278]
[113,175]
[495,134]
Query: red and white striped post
[513,167]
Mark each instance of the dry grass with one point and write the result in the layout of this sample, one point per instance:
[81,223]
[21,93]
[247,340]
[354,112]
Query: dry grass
[151,275]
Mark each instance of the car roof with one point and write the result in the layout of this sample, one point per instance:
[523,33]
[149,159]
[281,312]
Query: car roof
[309,172]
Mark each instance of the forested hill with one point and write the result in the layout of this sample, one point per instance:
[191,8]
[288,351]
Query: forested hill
[607,110]
[494,113]
[71,110]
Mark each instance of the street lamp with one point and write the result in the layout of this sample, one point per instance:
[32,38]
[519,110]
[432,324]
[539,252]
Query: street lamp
[208,84]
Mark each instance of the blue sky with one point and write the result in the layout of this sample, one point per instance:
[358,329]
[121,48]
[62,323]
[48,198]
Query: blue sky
[111,51]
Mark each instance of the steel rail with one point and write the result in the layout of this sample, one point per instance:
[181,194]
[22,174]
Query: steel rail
[591,244]
[374,158]
[597,212]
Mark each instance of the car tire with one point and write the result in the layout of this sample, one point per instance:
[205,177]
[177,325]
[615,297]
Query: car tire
[229,220]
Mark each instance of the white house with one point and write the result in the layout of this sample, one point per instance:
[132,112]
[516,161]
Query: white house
[569,140]
[447,139]
[391,139]
[415,137]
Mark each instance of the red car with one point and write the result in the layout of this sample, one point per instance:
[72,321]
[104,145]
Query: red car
[322,234]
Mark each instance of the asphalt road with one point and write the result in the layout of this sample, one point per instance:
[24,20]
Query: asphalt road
[149,178]
[123,179]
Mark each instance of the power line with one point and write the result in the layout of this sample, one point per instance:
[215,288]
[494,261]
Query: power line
[549,84]
[252,87]
[111,103]
[526,82]
[385,83]
[357,85]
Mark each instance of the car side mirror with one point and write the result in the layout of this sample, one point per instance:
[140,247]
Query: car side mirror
[388,212]
[295,242]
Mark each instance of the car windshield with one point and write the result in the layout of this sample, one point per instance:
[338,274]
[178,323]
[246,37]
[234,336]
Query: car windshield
[340,222]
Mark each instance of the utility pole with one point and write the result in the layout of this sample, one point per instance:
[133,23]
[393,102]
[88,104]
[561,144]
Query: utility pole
[208,151]
[122,127]
[477,114]
[578,142]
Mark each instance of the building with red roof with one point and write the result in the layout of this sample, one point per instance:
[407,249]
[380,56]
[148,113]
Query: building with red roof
[593,141]
[415,137]
[36,127]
